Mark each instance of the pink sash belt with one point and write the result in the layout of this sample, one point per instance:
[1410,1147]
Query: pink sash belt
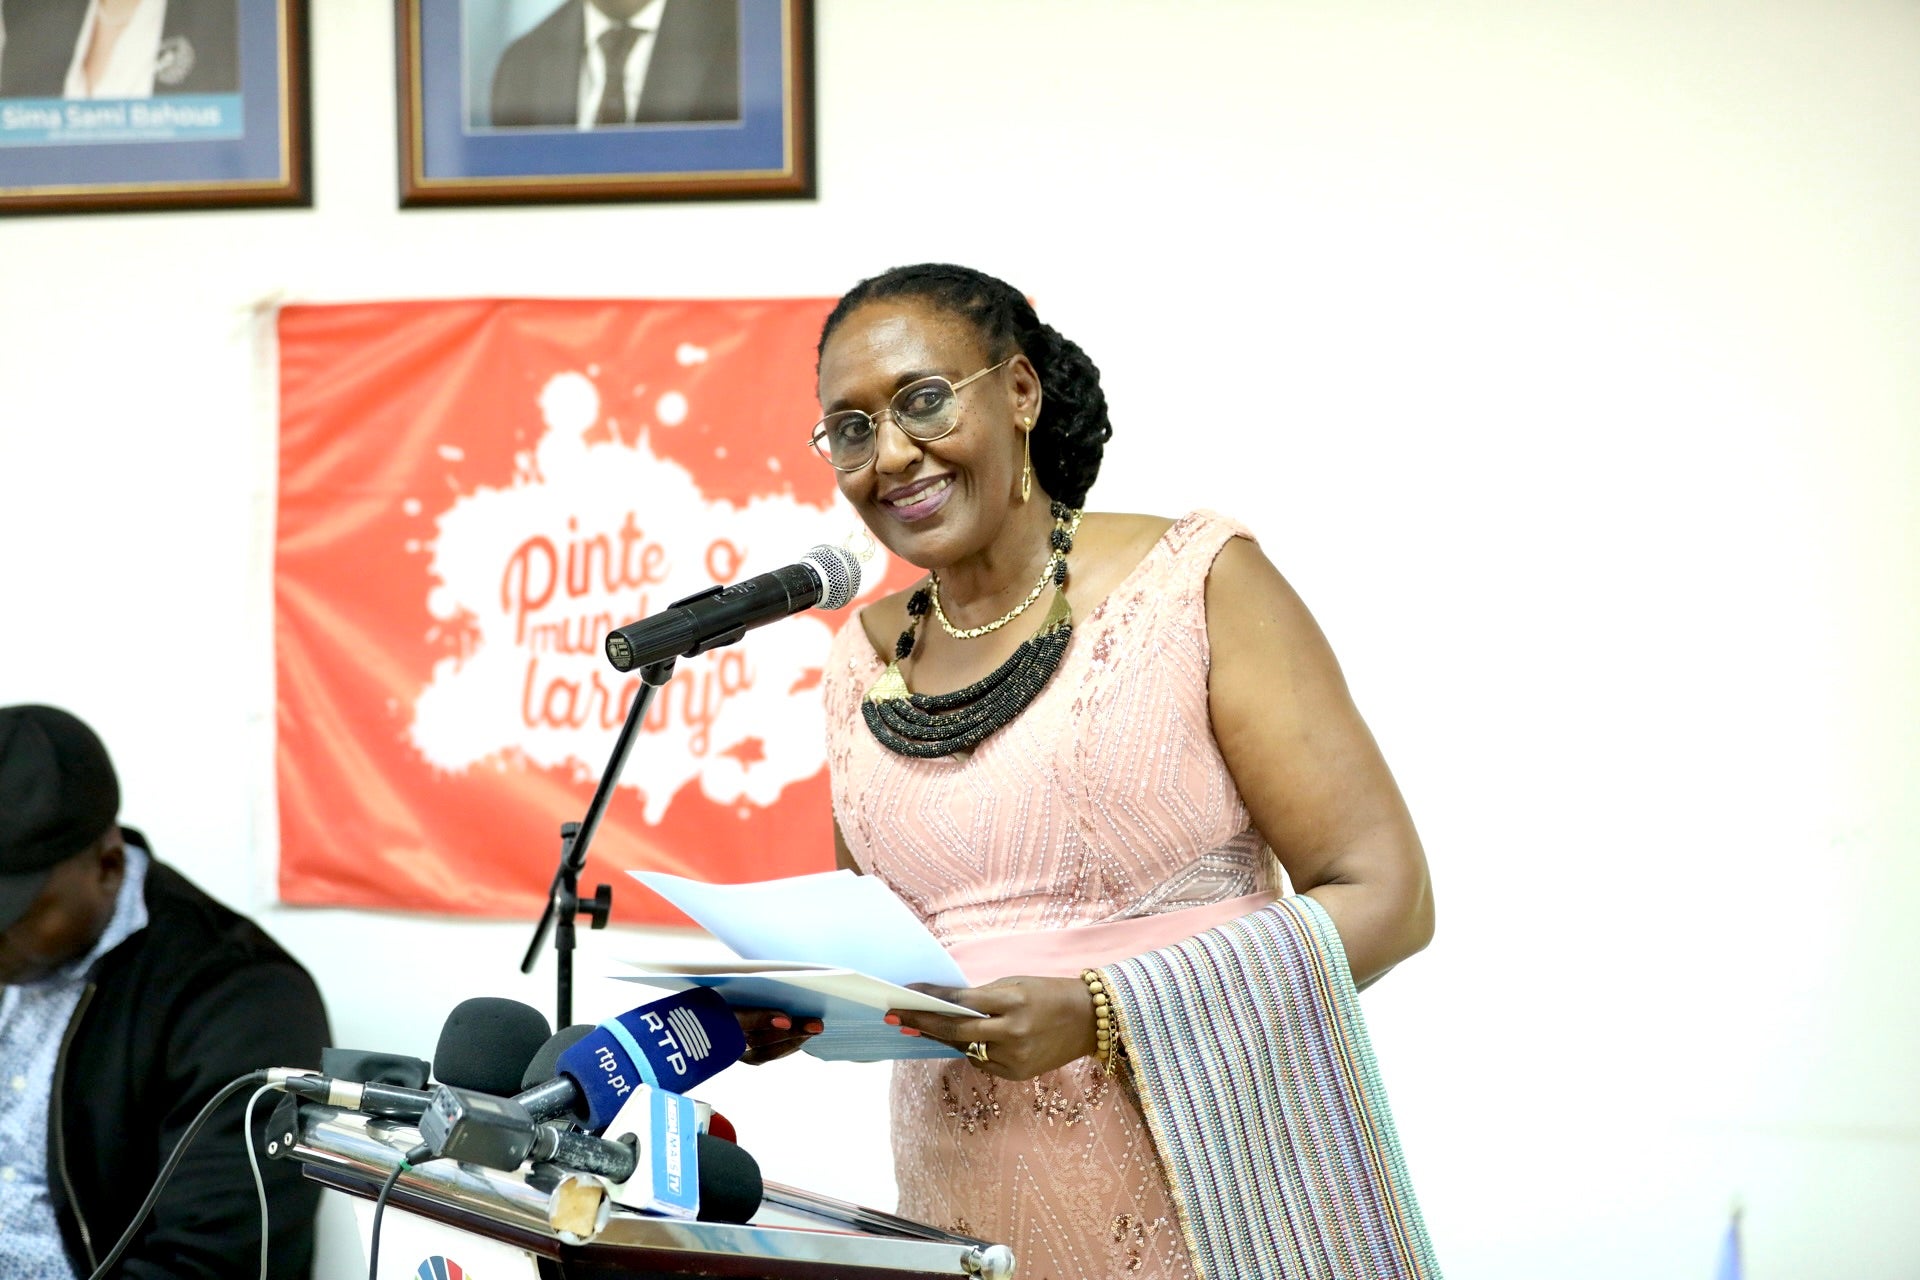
[1063,953]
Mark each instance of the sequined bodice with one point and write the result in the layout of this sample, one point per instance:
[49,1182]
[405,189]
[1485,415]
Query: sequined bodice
[1105,799]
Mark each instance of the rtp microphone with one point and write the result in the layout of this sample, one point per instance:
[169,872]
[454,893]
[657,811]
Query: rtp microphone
[826,577]
[672,1044]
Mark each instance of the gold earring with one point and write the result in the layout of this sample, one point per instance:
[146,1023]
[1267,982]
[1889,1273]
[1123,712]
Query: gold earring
[1026,469]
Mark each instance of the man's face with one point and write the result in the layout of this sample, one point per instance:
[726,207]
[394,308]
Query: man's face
[68,917]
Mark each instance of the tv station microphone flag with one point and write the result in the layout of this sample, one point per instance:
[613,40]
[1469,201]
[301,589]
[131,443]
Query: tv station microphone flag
[471,494]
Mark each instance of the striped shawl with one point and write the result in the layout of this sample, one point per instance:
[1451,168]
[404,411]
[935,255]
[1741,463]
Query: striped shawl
[1251,1057]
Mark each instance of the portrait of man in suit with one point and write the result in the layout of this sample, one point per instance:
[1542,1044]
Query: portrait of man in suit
[118,48]
[607,63]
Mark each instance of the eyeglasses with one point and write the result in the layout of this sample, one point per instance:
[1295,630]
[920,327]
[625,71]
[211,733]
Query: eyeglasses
[926,409]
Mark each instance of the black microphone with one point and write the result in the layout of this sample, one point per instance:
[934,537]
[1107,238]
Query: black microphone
[498,1133]
[545,1064]
[731,1186]
[351,1095]
[826,576]
[486,1043]
[374,1066]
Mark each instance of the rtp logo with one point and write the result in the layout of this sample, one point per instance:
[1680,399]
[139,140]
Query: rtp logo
[681,1035]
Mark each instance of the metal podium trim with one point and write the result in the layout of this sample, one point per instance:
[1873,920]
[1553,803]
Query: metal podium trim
[800,1232]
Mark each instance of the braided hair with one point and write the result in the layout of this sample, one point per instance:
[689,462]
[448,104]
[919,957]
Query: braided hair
[1073,429]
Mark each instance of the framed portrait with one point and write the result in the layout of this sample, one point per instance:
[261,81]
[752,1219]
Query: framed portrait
[152,104]
[523,101]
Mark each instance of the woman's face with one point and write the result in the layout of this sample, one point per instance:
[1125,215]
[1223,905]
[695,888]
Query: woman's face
[930,502]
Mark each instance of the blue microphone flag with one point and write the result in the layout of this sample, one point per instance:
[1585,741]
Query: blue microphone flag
[671,1044]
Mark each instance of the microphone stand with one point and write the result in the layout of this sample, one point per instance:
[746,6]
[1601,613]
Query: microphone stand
[564,904]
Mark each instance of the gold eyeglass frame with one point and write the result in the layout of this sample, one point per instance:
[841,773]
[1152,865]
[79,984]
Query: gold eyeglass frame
[819,432]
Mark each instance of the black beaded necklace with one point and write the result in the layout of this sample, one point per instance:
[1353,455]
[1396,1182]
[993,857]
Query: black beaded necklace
[928,726]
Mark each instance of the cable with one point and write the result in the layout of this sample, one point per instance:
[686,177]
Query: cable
[227,1090]
[379,1206]
[259,1183]
[420,1153]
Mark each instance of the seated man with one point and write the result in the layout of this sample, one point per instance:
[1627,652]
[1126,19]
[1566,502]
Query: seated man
[128,997]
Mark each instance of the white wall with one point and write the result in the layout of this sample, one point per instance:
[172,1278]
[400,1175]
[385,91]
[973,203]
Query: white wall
[1563,355]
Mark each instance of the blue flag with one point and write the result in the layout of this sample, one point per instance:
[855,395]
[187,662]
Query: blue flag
[1729,1268]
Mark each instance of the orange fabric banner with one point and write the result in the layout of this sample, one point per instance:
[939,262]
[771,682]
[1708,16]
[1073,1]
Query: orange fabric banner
[471,494]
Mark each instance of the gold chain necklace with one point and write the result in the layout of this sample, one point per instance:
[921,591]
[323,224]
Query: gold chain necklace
[1046,577]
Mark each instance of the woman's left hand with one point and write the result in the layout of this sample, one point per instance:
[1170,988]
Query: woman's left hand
[1032,1025]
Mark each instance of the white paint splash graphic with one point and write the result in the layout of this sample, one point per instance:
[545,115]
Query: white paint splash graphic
[586,538]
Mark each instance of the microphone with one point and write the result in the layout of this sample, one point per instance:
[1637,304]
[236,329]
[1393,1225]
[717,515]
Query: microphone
[651,1167]
[826,576]
[660,1162]
[731,1187]
[486,1044]
[387,1100]
[672,1044]
[374,1066]
[663,1162]
[484,1047]
[547,1061]
[713,1122]
[729,1179]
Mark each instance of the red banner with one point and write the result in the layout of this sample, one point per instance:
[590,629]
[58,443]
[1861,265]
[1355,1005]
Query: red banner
[471,495]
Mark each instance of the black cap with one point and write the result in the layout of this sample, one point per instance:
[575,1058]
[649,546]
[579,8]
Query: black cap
[58,794]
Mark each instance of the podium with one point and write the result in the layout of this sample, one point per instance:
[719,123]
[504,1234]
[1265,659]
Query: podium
[559,1225]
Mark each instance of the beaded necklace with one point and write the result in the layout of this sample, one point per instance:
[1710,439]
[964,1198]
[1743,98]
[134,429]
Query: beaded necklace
[928,726]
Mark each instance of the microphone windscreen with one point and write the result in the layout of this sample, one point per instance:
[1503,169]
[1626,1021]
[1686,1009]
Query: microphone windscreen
[730,1184]
[546,1063]
[486,1043]
[672,1044]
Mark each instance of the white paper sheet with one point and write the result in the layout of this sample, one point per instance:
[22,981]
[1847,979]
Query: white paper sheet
[835,918]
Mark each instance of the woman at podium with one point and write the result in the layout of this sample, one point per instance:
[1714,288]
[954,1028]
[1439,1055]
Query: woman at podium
[1082,742]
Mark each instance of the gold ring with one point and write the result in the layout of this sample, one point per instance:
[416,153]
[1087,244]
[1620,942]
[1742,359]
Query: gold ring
[977,1051]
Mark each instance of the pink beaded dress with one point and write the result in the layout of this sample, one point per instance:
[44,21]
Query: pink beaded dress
[1104,804]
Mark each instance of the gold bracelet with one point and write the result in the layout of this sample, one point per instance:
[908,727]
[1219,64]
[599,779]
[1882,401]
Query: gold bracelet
[1105,1042]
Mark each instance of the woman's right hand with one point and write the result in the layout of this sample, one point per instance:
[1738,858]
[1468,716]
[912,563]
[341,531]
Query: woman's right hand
[772,1034]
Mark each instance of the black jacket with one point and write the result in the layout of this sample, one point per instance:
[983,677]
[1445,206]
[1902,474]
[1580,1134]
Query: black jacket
[694,73]
[195,999]
[200,43]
